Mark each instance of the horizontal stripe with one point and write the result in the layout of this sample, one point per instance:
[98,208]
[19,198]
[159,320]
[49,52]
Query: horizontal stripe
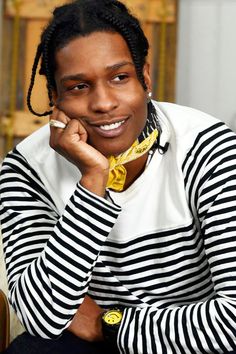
[178,285]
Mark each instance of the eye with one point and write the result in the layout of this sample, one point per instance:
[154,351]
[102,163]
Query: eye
[78,87]
[120,77]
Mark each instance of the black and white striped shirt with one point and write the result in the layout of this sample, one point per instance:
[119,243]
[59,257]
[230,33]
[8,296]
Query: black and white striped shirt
[165,248]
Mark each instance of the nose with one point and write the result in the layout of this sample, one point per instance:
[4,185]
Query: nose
[103,99]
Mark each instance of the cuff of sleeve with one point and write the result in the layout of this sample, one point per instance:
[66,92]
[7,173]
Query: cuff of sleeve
[100,200]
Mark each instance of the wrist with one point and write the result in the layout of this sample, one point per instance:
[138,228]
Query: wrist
[111,321]
[95,183]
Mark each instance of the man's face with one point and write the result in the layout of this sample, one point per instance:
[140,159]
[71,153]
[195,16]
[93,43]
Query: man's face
[98,85]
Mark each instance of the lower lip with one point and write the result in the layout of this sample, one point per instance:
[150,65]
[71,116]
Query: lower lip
[113,133]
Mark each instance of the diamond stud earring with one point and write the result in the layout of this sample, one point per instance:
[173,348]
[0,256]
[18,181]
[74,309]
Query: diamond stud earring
[149,96]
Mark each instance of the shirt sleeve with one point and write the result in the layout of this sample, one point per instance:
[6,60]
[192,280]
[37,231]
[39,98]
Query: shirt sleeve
[49,257]
[209,326]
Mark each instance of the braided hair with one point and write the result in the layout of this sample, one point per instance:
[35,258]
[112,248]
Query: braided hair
[81,18]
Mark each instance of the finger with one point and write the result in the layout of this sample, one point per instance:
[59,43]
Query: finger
[57,124]
[59,119]
[56,132]
[58,116]
[74,127]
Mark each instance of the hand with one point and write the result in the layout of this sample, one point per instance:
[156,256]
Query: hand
[71,143]
[87,323]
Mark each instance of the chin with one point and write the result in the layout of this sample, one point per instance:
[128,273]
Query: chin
[112,152]
[108,151]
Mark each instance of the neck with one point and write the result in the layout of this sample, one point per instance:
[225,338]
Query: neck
[134,169]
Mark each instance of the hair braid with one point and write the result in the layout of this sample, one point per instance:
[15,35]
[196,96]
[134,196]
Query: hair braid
[34,70]
[46,60]
[42,50]
[81,18]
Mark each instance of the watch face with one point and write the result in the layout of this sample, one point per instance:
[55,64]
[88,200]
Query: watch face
[112,317]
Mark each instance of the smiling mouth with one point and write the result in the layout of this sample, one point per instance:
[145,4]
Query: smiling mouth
[111,126]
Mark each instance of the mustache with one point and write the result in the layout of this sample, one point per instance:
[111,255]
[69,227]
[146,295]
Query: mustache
[100,119]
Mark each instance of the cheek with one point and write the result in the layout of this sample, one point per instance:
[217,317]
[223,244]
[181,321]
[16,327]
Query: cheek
[132,101]
[72,108]
[140,111]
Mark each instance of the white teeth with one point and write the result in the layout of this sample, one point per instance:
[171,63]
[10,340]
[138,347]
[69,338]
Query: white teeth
[111,126]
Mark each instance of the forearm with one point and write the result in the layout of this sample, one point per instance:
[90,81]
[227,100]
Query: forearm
[207,327]
[49,273]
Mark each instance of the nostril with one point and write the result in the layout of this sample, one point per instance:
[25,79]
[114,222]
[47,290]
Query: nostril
[104,105]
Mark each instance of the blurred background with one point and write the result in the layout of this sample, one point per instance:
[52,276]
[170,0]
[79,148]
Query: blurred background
[192,56]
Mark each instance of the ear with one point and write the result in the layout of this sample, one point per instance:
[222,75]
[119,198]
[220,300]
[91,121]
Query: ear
[147,77]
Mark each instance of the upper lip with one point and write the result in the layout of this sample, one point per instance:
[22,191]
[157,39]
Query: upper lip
[109,122]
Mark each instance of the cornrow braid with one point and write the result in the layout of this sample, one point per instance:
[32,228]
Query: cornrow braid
[116,4]
[125,32]
[81,18]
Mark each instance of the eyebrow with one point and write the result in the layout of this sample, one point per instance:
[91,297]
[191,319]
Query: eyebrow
[119,65]
[81,76]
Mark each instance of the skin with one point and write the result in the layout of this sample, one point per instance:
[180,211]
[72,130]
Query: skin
[97,85]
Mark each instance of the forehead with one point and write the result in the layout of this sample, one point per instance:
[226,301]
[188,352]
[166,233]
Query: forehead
[97,50]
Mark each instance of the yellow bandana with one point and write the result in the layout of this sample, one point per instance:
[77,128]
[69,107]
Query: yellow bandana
[117,172]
